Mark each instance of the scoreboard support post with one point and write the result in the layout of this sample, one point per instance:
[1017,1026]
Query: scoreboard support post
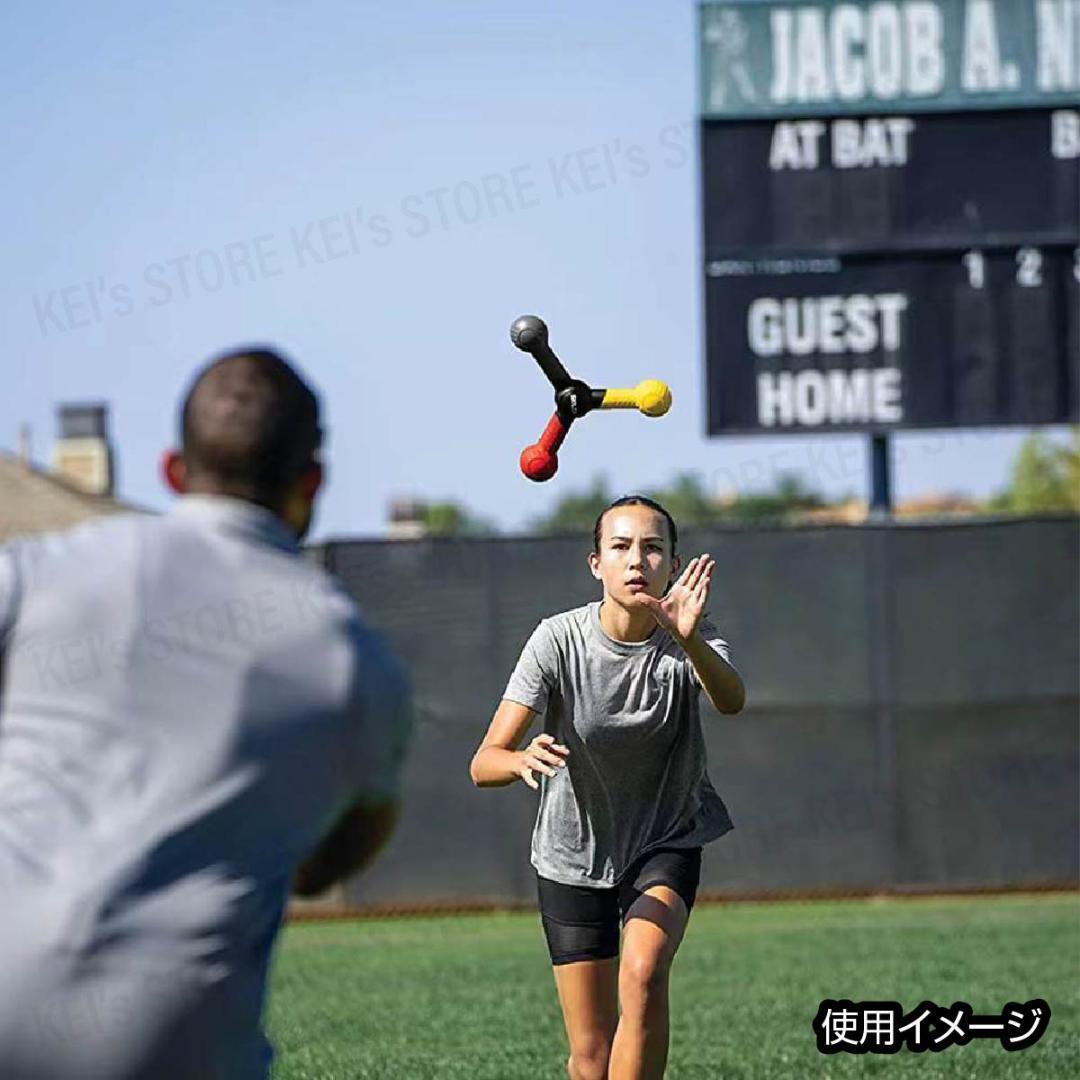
[880,477]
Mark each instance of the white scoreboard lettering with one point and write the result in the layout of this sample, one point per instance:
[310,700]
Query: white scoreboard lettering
[873,142]
[1065,133]
[812,398]
[849,54]
[825,324]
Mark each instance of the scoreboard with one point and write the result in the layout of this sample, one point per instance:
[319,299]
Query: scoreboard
[896,183]
[980,337]
[895,260]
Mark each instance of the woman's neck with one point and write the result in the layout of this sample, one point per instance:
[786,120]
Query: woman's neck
[624,625]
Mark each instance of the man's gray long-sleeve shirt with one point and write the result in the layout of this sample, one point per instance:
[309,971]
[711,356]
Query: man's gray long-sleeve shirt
[187,705]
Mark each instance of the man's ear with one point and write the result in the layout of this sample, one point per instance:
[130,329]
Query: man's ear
[676,565]
[174,471]
[312,479]
[594,564]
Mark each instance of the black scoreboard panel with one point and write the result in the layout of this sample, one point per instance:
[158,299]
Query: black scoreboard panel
[966,338]
[930,181]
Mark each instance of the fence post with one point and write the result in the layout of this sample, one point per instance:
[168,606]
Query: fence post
[880,609]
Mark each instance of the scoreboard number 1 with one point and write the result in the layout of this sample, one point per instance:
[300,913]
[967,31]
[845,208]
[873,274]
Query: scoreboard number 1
[976,268]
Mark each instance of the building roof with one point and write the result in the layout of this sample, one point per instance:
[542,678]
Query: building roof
[35,501]
[855,511]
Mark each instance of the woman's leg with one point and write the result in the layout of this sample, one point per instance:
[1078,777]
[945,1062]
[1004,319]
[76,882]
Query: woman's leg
[581,926]
[652,930]
[588,994]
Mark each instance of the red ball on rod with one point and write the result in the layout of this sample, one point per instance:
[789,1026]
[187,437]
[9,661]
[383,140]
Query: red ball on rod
[538,463]
[538,460]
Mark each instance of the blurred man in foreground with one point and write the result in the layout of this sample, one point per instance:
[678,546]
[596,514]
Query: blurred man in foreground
[191,714]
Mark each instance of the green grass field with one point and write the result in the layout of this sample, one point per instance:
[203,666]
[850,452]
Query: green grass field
[472,996]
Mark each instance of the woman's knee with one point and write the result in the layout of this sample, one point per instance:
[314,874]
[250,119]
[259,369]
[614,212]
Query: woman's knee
[589,1057]
[643,977]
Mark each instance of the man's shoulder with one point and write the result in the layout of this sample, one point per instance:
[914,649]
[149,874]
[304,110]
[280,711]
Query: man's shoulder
[123,541]
[106,534]
[323,599]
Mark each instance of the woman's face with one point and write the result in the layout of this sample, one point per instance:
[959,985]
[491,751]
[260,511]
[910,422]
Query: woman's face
[635,554]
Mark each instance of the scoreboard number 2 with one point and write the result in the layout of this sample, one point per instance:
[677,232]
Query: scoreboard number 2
[1029,268]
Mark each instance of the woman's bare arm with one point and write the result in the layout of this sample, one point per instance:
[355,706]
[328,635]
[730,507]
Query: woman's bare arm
[498,761]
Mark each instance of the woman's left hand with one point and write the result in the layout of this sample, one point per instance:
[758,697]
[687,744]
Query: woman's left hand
[681,608]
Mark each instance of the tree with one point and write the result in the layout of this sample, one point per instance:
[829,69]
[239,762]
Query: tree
[576,512]
[688,503]
[788,497]
[1045,477]
[454,519]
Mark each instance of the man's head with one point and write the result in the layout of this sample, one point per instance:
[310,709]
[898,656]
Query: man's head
[249,428]
[634,544]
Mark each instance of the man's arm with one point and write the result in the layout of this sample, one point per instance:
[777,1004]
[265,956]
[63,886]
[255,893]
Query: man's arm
[380,709]
[720,681]
[360,834]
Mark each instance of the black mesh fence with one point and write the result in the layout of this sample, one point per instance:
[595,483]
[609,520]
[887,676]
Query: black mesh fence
[911,724]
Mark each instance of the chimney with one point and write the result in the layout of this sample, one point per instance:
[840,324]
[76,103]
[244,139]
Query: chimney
[82,455]
[26,444]
[405,519]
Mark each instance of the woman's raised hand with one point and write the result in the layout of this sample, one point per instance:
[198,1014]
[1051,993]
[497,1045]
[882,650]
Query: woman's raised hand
[681,608]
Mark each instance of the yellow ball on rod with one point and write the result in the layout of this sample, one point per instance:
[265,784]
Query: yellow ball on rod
[653,397]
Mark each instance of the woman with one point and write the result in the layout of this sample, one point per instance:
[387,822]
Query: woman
[625,802]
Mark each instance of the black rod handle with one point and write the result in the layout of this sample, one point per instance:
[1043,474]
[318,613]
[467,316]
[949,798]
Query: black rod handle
[530,334]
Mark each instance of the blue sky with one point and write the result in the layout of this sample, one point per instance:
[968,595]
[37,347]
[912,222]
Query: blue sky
[379,190]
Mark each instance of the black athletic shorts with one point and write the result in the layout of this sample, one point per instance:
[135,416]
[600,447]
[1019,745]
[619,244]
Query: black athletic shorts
[581,923]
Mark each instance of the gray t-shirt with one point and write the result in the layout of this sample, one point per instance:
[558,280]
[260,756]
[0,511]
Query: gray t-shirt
[187,705]
[635,777]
